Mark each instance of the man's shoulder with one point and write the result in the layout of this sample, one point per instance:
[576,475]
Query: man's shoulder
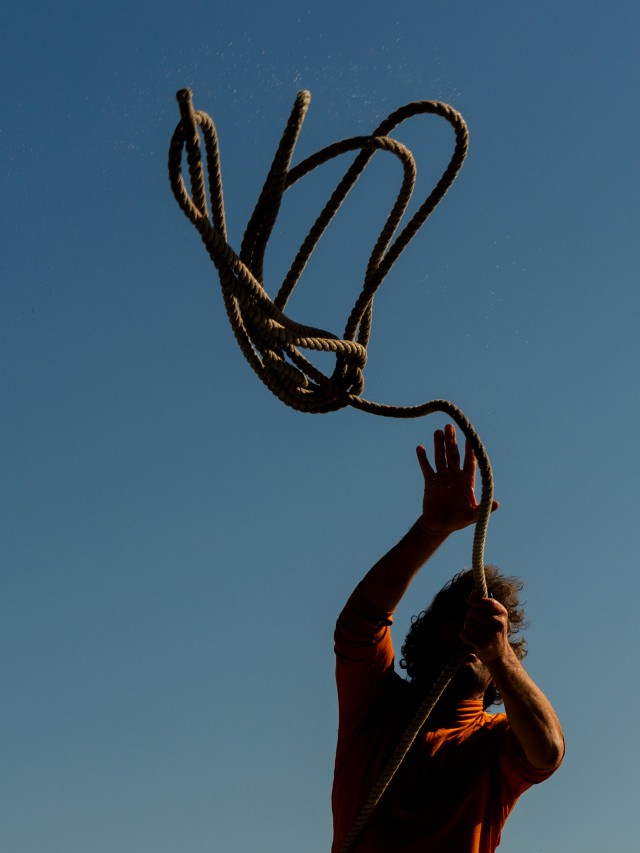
[360,607]
[361,619]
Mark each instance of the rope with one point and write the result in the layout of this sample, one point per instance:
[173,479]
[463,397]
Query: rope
[272,343]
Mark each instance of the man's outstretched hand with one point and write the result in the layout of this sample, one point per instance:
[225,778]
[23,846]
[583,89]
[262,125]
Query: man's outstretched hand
[449,501]
[449,504]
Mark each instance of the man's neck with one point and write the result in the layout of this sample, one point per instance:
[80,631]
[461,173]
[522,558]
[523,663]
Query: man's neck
[450,713]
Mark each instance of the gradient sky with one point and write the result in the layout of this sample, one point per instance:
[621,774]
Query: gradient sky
[177,543]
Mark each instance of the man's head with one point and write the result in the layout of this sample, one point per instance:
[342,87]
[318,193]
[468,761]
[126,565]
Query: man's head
[434,635]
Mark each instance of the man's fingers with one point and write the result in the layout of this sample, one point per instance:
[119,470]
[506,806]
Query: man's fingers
[439,453]
[469,465]
[483,610]
[451,447]
[425,465]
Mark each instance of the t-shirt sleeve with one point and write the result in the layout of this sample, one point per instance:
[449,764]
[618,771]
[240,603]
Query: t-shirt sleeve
[362,630]
[364,653]
[517,772]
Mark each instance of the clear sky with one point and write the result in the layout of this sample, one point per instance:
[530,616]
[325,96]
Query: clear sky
[177,543]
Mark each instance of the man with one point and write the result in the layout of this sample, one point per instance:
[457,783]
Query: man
[467,768]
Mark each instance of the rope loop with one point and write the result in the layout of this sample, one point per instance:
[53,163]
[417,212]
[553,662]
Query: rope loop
[273,343]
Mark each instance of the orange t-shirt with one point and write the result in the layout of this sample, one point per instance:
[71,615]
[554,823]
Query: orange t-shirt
[457,785]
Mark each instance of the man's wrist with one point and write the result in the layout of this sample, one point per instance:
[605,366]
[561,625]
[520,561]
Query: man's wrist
[502,662]
[423,525]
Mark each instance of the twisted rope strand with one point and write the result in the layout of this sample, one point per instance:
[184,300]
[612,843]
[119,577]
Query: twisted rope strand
[267,337]
[248,305]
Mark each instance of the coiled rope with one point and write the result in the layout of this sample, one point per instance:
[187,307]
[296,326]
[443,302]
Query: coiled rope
[272,342]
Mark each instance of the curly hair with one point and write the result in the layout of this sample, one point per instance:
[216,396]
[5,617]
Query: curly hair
[448,607]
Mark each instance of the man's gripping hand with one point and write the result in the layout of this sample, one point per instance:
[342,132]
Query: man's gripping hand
[449,501]
[486,628]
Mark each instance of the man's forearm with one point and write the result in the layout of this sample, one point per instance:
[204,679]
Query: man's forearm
[386,583]
[530,714]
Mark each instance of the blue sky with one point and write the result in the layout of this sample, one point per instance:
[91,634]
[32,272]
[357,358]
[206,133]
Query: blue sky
[177,543]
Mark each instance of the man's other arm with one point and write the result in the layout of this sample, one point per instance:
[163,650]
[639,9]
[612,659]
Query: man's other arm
[530,714]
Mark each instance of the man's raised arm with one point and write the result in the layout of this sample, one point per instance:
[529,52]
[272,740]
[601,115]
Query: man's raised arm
[449,504]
